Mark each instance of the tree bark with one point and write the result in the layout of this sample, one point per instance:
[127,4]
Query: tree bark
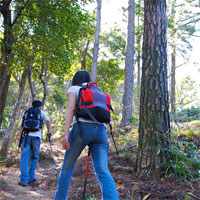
[8,136]
[139,37]
[129,67]
[96,42]
[173,67]
[43,78]
[31,83]
[138,80]
[6,42]
[3,97]
[173,85]
[6,49]
[84,54]
[154,125]
[6,55]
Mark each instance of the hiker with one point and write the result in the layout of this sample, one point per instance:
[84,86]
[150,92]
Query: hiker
[30,143]
[85,132]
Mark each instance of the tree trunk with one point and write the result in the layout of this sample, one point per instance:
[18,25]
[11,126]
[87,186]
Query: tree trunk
[5,55]
[84,54]
[154,125]
[8,136]
[3,97]
[173,66]
[6,48]
[31,83]
[129,67]
[96,42]
[139,37]
[173,85]
[6,44]
[138,80]
[43,78]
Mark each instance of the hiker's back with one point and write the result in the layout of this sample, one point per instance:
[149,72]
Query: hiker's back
[32,120]
[93,105]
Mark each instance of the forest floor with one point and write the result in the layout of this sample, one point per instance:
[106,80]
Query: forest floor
[129,187]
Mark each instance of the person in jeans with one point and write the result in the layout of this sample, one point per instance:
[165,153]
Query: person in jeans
[31,149]
[86,132]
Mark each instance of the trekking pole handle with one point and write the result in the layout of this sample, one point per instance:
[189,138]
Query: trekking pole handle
[49,135]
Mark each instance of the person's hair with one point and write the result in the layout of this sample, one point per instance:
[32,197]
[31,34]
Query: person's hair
[81,77]
[36,103]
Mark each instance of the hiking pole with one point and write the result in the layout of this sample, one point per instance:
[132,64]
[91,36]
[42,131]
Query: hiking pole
[54,163]
[86,174]
[113,139]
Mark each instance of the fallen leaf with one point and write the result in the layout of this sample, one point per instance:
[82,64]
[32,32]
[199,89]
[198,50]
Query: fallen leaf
[146,197]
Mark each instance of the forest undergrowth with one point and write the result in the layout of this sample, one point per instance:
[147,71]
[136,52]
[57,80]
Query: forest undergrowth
[180,181]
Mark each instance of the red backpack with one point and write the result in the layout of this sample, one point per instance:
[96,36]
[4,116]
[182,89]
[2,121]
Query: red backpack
[93,104]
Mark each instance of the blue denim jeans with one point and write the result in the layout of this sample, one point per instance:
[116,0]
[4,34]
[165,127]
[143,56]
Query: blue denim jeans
[93,135]
[30,150]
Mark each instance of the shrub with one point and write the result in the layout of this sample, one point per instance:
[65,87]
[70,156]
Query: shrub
[188,114]
[183,160]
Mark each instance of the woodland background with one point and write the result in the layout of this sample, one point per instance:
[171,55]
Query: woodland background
[43,43]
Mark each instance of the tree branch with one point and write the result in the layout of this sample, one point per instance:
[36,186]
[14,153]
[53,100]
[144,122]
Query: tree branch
[10,93]
[19,13]
[5,4]
[31,82]
[44,82]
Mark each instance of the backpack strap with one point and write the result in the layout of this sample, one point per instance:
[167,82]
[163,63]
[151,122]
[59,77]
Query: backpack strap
[88,112]
[24,135]
[77,104]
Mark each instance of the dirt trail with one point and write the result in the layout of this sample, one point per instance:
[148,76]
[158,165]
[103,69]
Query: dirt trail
[11,190]
[46,179]
[128,186]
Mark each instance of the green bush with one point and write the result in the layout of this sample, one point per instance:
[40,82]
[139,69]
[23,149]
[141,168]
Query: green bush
[188,114]
[134,120]
[183,160]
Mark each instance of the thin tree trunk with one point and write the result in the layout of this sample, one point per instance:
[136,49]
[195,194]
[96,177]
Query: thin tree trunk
[173,67]
[138,80]
[96,42]
[83,61]
[3,97]
[173,85]
[6,48]
[31,83]
[154,125]
[129,67]
[43,78]
[8,136]
[138,63]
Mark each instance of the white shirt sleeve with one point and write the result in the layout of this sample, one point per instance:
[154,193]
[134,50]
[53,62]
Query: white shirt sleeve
[74,89]
[44,116]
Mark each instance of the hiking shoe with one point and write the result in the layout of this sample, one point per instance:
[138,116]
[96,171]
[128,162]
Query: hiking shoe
[23,185]
[33,181]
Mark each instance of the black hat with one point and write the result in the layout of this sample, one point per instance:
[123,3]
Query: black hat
[36,103]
